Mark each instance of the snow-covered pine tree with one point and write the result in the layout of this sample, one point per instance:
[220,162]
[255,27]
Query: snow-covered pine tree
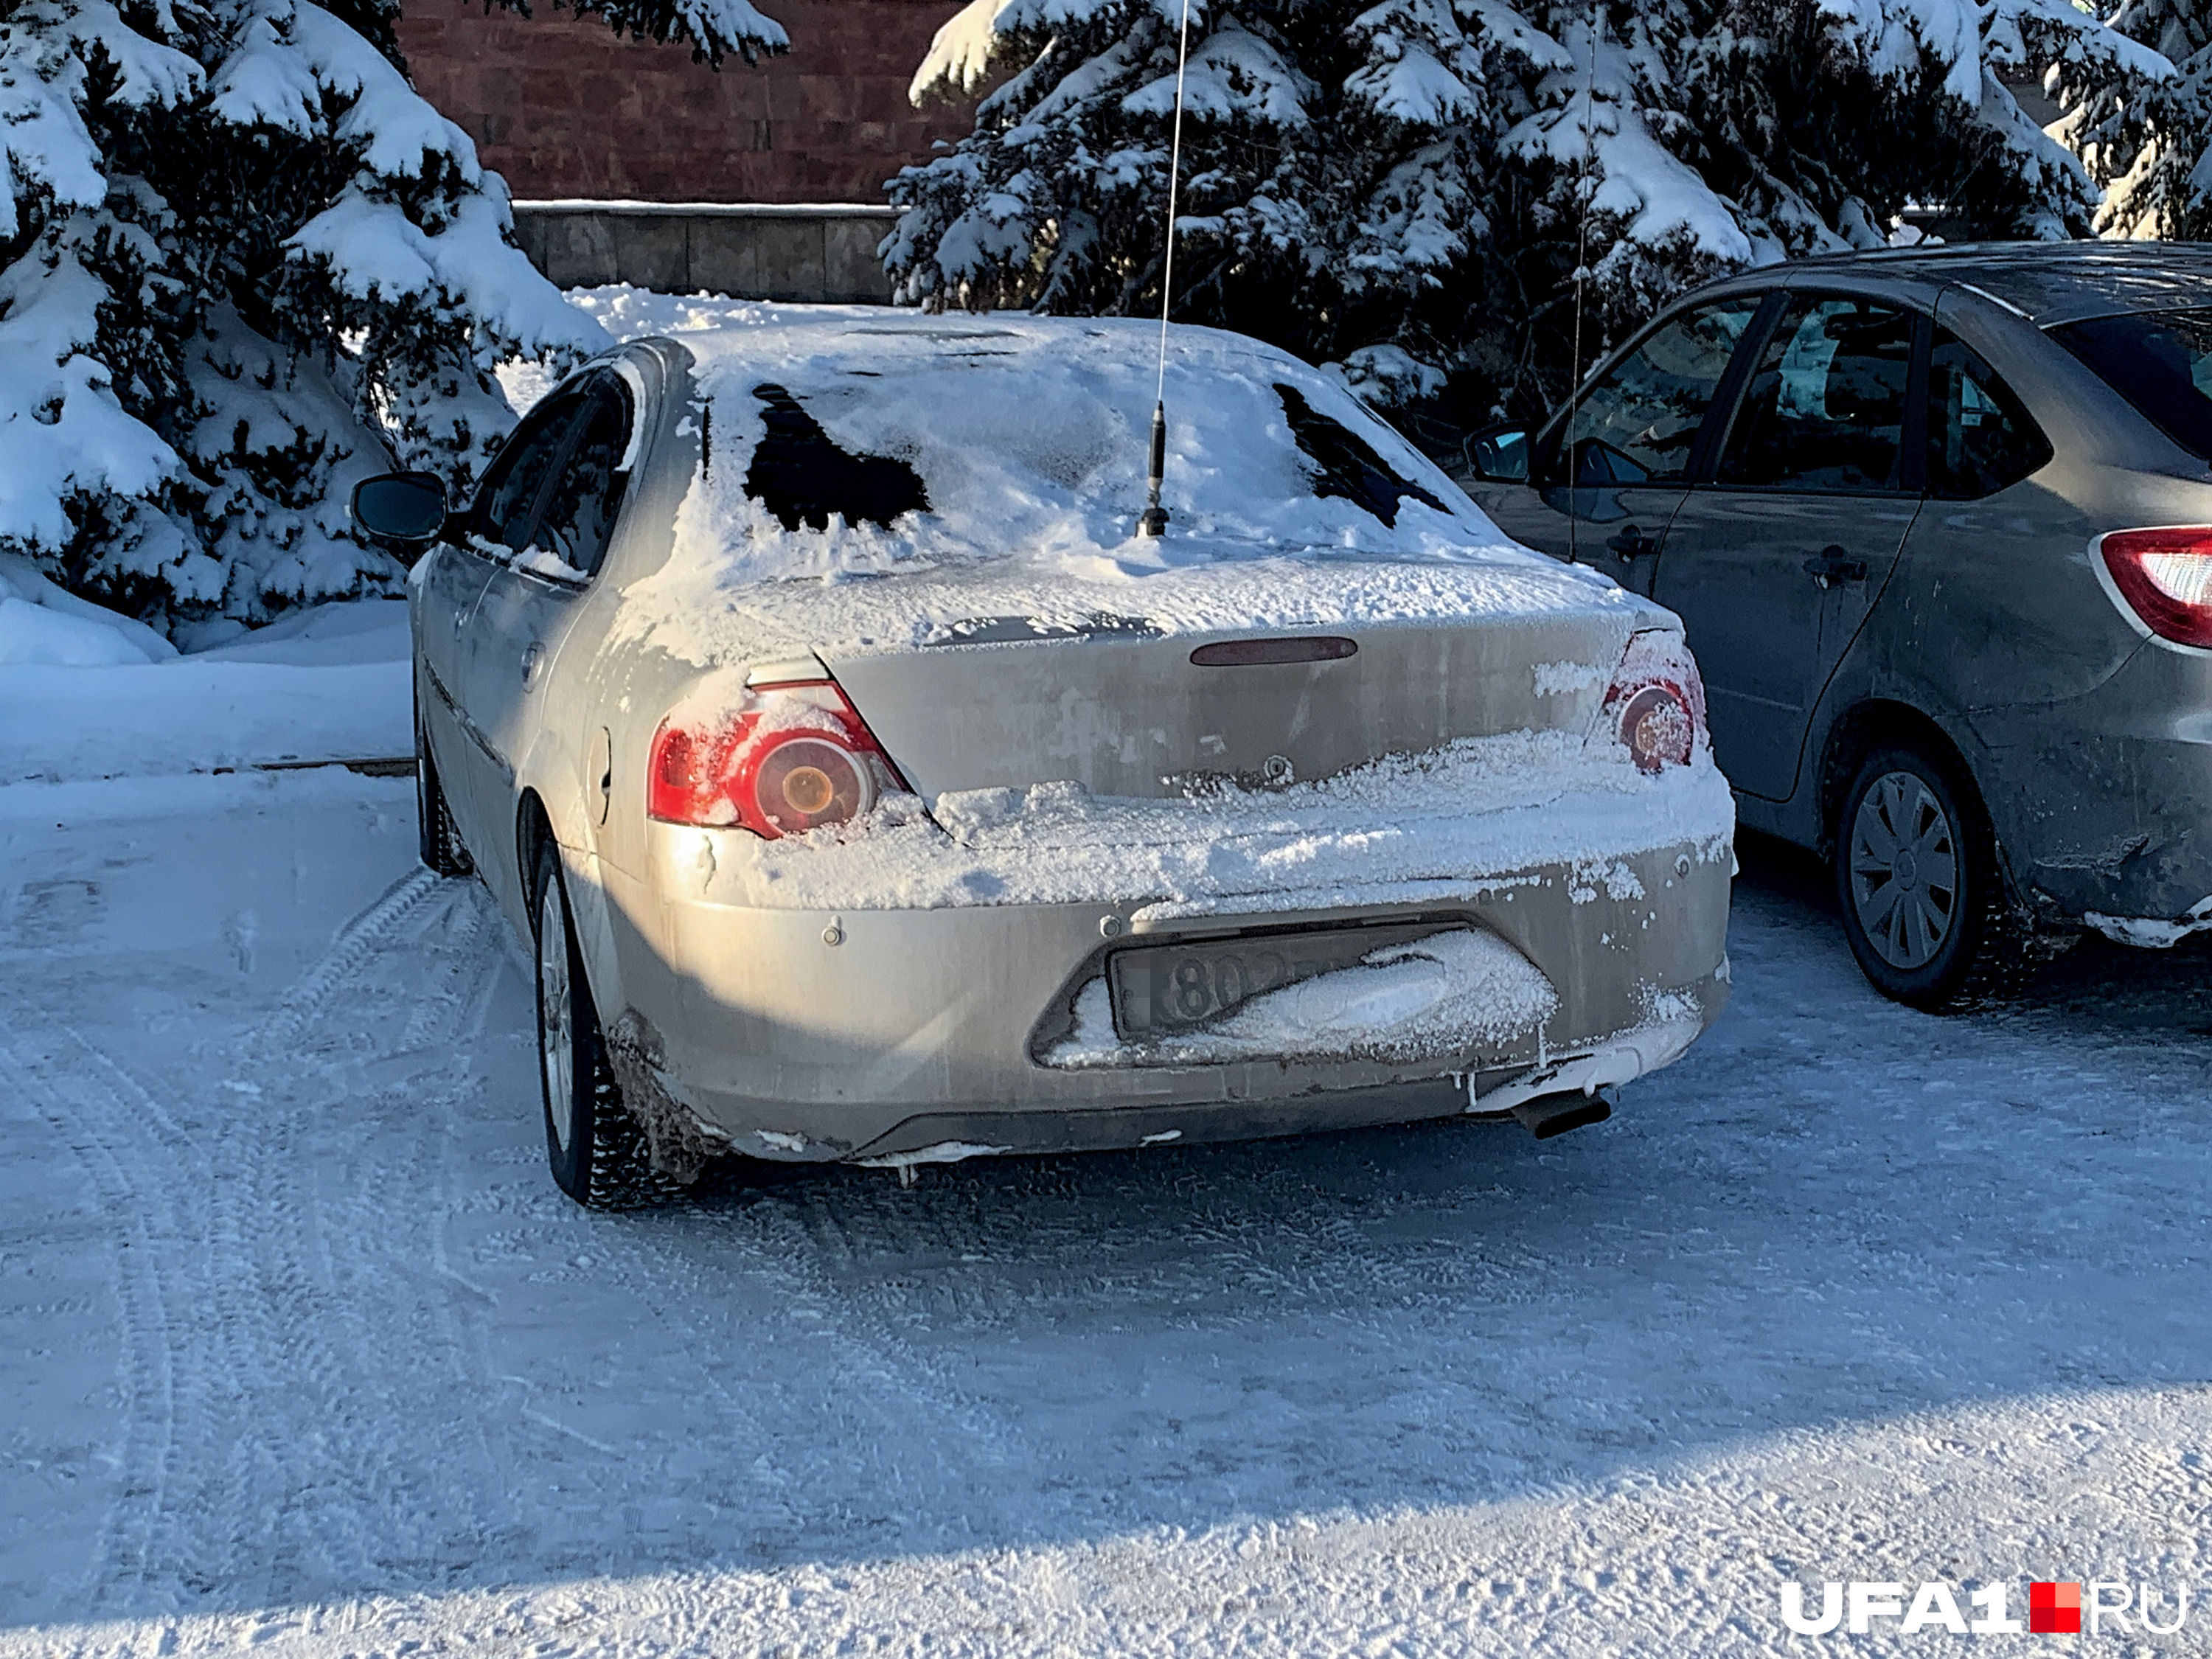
[1405,187]
[241,265]
[2149,142]
[1291,227]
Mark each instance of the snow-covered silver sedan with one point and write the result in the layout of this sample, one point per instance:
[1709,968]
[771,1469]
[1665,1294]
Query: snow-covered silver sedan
[869,791]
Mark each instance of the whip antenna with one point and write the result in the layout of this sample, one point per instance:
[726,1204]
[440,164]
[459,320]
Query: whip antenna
[1154,521]
[1582,279]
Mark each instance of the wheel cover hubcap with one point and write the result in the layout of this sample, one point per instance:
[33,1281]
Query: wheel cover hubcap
[1904,870]
[556,1016]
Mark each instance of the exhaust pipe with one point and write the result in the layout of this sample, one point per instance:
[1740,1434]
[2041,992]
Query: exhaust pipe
[1554,1114]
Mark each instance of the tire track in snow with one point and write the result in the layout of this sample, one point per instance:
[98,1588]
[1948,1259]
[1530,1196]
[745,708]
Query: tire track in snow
[388,1240]
[349,952]
[317,1183]
[358,1179]
[140,1162]
[774,1363]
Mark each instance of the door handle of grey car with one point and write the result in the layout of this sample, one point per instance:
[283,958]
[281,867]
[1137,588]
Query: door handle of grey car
[1832,565]
[1629,543]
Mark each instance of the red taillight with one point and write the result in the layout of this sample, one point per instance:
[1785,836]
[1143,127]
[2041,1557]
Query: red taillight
[788,758]
[2166,577]
[1657,703]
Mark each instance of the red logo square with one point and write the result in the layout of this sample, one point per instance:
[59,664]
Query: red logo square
[2054,1608]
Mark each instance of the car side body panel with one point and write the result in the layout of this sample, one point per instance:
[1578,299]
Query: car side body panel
[588,783]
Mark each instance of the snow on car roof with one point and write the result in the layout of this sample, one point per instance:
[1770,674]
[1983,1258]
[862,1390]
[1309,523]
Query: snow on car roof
[995,464]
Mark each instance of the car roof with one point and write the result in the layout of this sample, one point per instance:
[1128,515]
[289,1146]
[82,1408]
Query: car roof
[2048,282]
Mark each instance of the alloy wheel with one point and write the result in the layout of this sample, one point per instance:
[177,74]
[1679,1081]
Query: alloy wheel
[557,1015]
[1904,865]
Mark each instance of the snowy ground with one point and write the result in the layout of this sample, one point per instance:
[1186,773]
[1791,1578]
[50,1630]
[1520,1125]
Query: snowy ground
[330,683]
[302,1349]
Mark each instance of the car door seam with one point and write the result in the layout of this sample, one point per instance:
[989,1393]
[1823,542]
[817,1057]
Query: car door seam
[475,734]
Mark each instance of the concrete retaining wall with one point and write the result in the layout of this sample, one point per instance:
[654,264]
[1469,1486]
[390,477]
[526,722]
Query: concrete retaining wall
[751,251]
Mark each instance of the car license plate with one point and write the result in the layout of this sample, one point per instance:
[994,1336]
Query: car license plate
[1160,990]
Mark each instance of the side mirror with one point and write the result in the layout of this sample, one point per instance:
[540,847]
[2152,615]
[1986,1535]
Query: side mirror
[401,506]
[1499,454]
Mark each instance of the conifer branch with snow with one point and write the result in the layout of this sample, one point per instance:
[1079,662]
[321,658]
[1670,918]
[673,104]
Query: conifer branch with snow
[243,264]
[2148,140]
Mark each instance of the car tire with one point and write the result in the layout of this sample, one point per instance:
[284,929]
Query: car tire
[598,1152]
[1925,905]
[440,837]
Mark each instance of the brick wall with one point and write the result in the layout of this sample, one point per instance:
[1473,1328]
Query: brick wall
[565,107]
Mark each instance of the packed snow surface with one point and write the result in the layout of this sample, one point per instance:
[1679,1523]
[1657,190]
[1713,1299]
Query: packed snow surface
[307,1357]
[1026,438]
[1439,995]
[1452,823]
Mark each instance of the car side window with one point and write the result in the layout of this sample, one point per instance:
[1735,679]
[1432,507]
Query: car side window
[1640,422]
[1981,438]
[1825,407]
[578,520]
[2159,360]
[507,504]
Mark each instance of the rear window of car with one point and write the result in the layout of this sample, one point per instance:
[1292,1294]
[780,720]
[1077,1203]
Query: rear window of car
[799,474]
[2159,360]
[964,454]
[1345,464]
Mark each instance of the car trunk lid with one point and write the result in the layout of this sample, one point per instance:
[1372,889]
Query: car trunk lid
[1128,710]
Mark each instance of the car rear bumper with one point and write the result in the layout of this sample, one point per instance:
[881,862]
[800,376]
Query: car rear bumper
[2109,795]
[915,1036]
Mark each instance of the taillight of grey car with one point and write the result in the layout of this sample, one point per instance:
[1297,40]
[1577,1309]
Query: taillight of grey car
[2166,577]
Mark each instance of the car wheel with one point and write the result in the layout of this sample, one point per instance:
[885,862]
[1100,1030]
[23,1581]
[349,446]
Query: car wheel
[598,1152]
[1924,904]
[440,838]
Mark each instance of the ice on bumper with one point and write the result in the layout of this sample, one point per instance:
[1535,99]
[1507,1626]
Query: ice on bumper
[2153,933]
[1438,996]
[1672,1023]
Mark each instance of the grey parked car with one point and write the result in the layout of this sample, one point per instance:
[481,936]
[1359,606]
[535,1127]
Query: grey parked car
[1938,524]
[867,792]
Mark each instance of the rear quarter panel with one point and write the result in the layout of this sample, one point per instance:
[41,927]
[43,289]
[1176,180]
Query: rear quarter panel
[604,697]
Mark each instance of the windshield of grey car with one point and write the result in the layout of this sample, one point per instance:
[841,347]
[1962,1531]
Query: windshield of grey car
[2161,361]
